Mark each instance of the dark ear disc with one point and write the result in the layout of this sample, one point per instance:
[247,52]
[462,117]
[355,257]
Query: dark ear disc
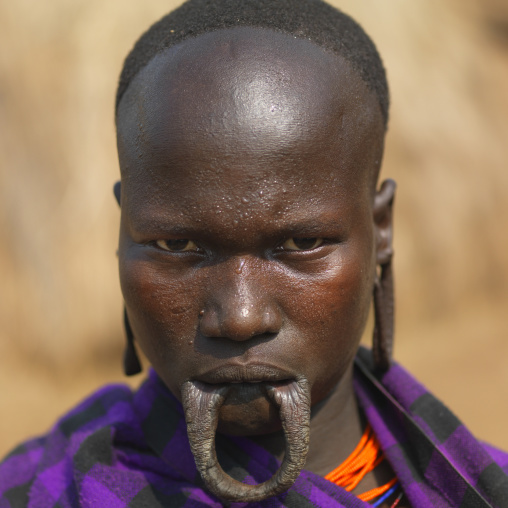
[131,363]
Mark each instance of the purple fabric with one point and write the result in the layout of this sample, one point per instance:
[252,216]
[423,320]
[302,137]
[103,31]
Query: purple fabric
[121,449]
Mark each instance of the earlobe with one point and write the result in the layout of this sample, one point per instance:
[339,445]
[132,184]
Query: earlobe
[384,305]
[117,191]
[383,220]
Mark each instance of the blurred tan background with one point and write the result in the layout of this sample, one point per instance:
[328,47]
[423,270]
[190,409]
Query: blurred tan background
[60,303]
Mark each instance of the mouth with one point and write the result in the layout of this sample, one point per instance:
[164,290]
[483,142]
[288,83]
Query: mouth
[245,374]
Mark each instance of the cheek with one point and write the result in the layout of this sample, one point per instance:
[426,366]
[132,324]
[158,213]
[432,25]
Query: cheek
[340,293]
[332,313]
[163,310]
[353,295]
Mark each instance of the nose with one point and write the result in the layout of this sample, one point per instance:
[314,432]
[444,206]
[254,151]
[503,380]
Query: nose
[240,305]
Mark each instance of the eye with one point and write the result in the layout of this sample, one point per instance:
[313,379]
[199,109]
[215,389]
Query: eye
[302,243]
[179,245]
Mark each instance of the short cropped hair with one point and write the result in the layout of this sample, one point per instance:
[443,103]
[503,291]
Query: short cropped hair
[313,20]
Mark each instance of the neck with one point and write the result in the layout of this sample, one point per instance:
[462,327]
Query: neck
[336,427]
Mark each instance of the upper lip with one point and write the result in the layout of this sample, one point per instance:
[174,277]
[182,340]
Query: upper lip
[246,373]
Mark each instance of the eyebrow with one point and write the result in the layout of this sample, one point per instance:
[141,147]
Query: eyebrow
[310,227]
[157,225]
[307,227]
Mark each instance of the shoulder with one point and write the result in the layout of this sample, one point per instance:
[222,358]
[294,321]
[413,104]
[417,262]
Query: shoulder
[110,405]
[500,457]
[18,470]
[47,460]
[425,442]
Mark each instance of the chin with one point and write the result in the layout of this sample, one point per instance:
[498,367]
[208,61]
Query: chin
[248,414]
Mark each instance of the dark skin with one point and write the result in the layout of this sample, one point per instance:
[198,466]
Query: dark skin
[251,226]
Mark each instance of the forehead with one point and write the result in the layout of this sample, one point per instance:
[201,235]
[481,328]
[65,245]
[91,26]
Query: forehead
[251,104]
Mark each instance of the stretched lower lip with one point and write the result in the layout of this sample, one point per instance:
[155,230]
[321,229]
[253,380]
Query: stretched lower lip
[237,374]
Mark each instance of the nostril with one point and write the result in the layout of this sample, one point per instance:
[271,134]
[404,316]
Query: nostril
[209,324]
[272,321]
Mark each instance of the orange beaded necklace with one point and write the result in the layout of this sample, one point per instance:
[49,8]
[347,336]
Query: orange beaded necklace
[364,458]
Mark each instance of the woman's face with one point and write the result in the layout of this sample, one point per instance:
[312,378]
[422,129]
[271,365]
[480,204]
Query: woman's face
[247,248]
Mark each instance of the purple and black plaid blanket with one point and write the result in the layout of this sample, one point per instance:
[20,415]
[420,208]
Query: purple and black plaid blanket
[120,449]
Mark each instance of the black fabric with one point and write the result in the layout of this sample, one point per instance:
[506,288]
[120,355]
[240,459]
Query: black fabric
[95,449]
[438,417]
[18,496]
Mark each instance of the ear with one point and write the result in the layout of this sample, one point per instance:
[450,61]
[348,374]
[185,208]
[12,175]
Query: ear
[117,191]
[383,221]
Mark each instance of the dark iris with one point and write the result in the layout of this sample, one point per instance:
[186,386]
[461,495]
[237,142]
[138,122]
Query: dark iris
[176,245]
[305,243]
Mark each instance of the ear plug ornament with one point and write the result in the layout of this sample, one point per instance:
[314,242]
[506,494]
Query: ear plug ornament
[382,339]
[131,363]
